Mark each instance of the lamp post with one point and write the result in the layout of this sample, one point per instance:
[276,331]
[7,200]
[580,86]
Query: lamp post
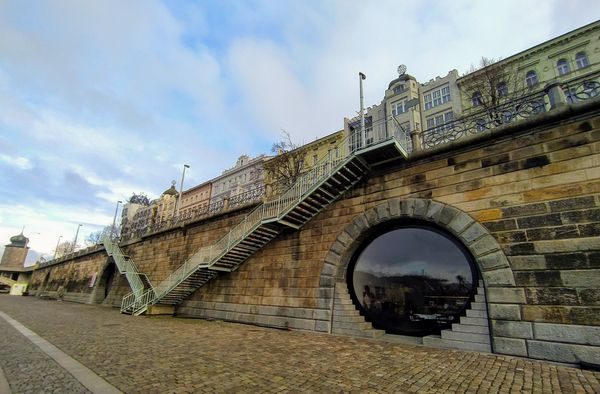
[76,235]
[362,77]
[112,231]
[176,211]
[56,249]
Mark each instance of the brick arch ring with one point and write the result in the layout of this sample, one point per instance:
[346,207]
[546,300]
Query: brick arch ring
[488,255]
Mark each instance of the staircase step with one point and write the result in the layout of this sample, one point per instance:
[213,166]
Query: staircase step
[473,321]
[480,298]
[480,306]
[465,336]
[477,313]
[458,327]
[437,341]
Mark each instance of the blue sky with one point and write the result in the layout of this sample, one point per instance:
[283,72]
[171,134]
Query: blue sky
[100,99]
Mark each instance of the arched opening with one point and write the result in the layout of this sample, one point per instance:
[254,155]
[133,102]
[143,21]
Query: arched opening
[104,284]
[410,277]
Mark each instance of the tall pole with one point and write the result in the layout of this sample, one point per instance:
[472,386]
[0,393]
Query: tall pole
[112,231]
[362,77]
[178,202]
[56,249]
[76,235]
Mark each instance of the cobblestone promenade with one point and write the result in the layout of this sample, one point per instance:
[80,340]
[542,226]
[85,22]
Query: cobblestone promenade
[166,355]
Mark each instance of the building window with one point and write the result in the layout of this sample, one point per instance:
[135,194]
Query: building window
[531,79]
[502,89]
[399,107]
[412,279]
[562,66]
[315,159]
[581,60]
[437,97]
[399,89]
[438,121]
[476,99]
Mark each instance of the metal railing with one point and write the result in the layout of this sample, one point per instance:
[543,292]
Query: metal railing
[377,132]
[485,119]
[213,208]
[126,267]
[273,209]
[582,88]
[524,105]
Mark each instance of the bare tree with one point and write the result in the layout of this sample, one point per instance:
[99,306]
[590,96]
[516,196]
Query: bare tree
[65,248]
[141,199]
[96,237]
[286,166]
[490,84]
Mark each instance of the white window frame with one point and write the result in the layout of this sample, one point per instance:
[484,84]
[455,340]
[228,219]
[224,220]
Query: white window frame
[437,97]
[399,107]
[438,121]
[531,78]
[562,66]
[581,60]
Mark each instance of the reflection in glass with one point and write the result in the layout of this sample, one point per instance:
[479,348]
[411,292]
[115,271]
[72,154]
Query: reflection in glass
[412,281]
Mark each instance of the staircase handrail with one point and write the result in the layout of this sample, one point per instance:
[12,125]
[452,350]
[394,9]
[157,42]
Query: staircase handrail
[269,210]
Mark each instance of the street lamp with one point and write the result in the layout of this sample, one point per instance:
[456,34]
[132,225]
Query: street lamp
[76,235]
[176,211]
[56,249]
[112,231]
[362,77]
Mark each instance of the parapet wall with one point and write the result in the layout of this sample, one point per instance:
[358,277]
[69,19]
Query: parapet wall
[525,201]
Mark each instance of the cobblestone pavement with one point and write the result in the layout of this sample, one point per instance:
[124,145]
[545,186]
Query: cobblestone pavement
[28,370]
[166,355]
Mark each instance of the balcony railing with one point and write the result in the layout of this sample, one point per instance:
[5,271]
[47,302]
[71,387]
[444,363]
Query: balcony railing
[521,107]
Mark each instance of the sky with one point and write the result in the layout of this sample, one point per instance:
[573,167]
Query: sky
[101,99]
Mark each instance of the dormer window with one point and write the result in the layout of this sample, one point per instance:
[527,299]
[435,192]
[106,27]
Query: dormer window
[399,89]
[581,60]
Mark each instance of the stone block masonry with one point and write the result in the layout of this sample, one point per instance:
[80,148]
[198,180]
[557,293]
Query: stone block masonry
[525,202]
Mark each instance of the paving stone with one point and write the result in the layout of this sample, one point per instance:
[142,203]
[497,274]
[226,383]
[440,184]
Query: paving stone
[169,355]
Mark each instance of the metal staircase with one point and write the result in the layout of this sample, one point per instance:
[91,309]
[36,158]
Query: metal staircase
[138,281]
[339,170]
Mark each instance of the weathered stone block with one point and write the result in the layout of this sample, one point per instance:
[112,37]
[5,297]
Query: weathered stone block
[523,248]
[552,296]
[559,232]
[562,352]
[588,215]
[583,335]
[322,314]
[434,210]
[589,296]
[501,225]
[585,315]
[322,326]
[552,219]
[570,204]
[525,210]
[493,261]
[447,214]
[460,223]
[567,261]
[420,207]
[581,278]
[549,314]
[499,277]
[512,329]
[506,295]
[507,237]
[511,346]
[328,269]
[538,278]
[504,311]
[484,245]
[589,230]
[529,262]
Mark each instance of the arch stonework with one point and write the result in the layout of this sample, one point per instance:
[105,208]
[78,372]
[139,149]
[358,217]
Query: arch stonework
[493,266]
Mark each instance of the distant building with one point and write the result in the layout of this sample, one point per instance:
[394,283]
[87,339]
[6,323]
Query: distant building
[246,175]
[13,272]
[196,198]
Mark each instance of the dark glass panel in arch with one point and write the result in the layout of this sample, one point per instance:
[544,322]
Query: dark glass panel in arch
[412,280]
